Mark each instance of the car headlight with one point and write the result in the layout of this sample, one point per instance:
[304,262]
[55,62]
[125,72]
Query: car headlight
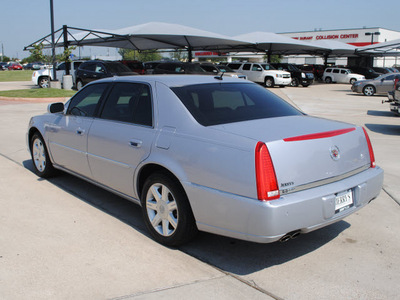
[303,75]
[279,75]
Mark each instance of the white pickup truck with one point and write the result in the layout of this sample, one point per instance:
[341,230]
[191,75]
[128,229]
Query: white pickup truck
[43,76]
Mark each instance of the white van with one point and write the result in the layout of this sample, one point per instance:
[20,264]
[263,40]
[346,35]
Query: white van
[341,75]
[262,73]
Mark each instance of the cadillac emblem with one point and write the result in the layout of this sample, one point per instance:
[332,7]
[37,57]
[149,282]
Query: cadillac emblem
[335,153]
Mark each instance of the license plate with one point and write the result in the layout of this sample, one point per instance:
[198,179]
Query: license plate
[343,201]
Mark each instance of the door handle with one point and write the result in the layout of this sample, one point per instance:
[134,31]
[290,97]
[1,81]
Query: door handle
[135,143]
[80,131]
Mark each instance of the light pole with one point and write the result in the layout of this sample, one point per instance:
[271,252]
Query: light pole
[53,47]
[372,35]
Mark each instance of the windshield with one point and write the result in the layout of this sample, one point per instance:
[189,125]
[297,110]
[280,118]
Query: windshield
[267,67]
[218,103]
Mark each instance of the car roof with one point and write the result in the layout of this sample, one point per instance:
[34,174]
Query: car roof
[173,80]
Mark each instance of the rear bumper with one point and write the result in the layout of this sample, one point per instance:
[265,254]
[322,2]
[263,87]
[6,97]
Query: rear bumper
[264,222]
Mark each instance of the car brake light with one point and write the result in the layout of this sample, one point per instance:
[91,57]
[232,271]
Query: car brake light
[267,184]
[371,151]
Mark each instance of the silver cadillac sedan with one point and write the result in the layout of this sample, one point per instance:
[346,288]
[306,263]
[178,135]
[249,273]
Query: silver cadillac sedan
[215,154]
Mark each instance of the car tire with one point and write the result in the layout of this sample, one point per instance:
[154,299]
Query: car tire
[305,85]
[368,90]
[269,82]
[352,80]
[328,80]
[79,85]
[44,82]
[40,157]
[166,210]
[294,82]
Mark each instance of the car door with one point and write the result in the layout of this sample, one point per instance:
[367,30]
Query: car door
[246,70]
[67,134]
[336,75]
[385,84]
[122,136]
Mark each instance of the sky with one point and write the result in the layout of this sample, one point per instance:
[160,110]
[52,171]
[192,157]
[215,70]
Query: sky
[26,21]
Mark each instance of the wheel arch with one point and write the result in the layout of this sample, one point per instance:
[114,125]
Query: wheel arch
[31,132]
[149,169]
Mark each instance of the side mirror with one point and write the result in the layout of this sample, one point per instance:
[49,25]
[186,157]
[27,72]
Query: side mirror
[55,107]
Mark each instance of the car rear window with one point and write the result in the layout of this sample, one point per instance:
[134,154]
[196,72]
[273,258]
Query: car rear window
[221,103]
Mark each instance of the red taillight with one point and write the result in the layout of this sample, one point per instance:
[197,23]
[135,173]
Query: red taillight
[371,151]
[267,185]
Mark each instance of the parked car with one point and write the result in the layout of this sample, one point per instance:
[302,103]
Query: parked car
[34,66]
[179,68]
[368,72]
[379,85]
[394,97]
[92,70]
[42,77]
[341,75]
[15,66]
[317,70]
[3,66]
[134,66]
[221,69]
[298,77]
[224,156]
[262,73]
[383,70]
[149,66]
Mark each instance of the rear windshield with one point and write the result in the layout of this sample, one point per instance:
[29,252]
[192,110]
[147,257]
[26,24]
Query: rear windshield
[220,103]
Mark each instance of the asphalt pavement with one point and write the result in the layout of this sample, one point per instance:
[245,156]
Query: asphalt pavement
[64,238]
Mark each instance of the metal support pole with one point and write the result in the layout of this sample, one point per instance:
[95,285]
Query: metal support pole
[65,38]
[190,55]
[53,48]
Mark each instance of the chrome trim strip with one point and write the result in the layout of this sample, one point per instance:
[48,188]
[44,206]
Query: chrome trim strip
[323,182]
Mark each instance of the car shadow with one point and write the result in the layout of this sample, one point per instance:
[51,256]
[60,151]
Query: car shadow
[384,128]
[363,96]
[227,254]
[379,113]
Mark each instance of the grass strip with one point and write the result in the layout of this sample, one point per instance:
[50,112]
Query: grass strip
[37,93]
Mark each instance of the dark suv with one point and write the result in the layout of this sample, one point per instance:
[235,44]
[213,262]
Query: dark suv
[369,73]
[298,76]
[96,69]
[179,68]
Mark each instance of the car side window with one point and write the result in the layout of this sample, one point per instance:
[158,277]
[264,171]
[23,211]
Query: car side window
[85,102]
[390,77]
[61,66]
[129,102]
[89,67]
[335,71]
[328,70]
[343,71]
[99,68]
[246,67]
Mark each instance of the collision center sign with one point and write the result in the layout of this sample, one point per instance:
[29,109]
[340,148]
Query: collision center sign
[328,37]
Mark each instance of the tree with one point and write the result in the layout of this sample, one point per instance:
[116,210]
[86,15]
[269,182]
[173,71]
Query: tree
[180,55]
[147,55]
[36,53]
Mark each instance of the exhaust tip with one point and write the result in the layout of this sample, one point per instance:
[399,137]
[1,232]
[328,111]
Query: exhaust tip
[289,236]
